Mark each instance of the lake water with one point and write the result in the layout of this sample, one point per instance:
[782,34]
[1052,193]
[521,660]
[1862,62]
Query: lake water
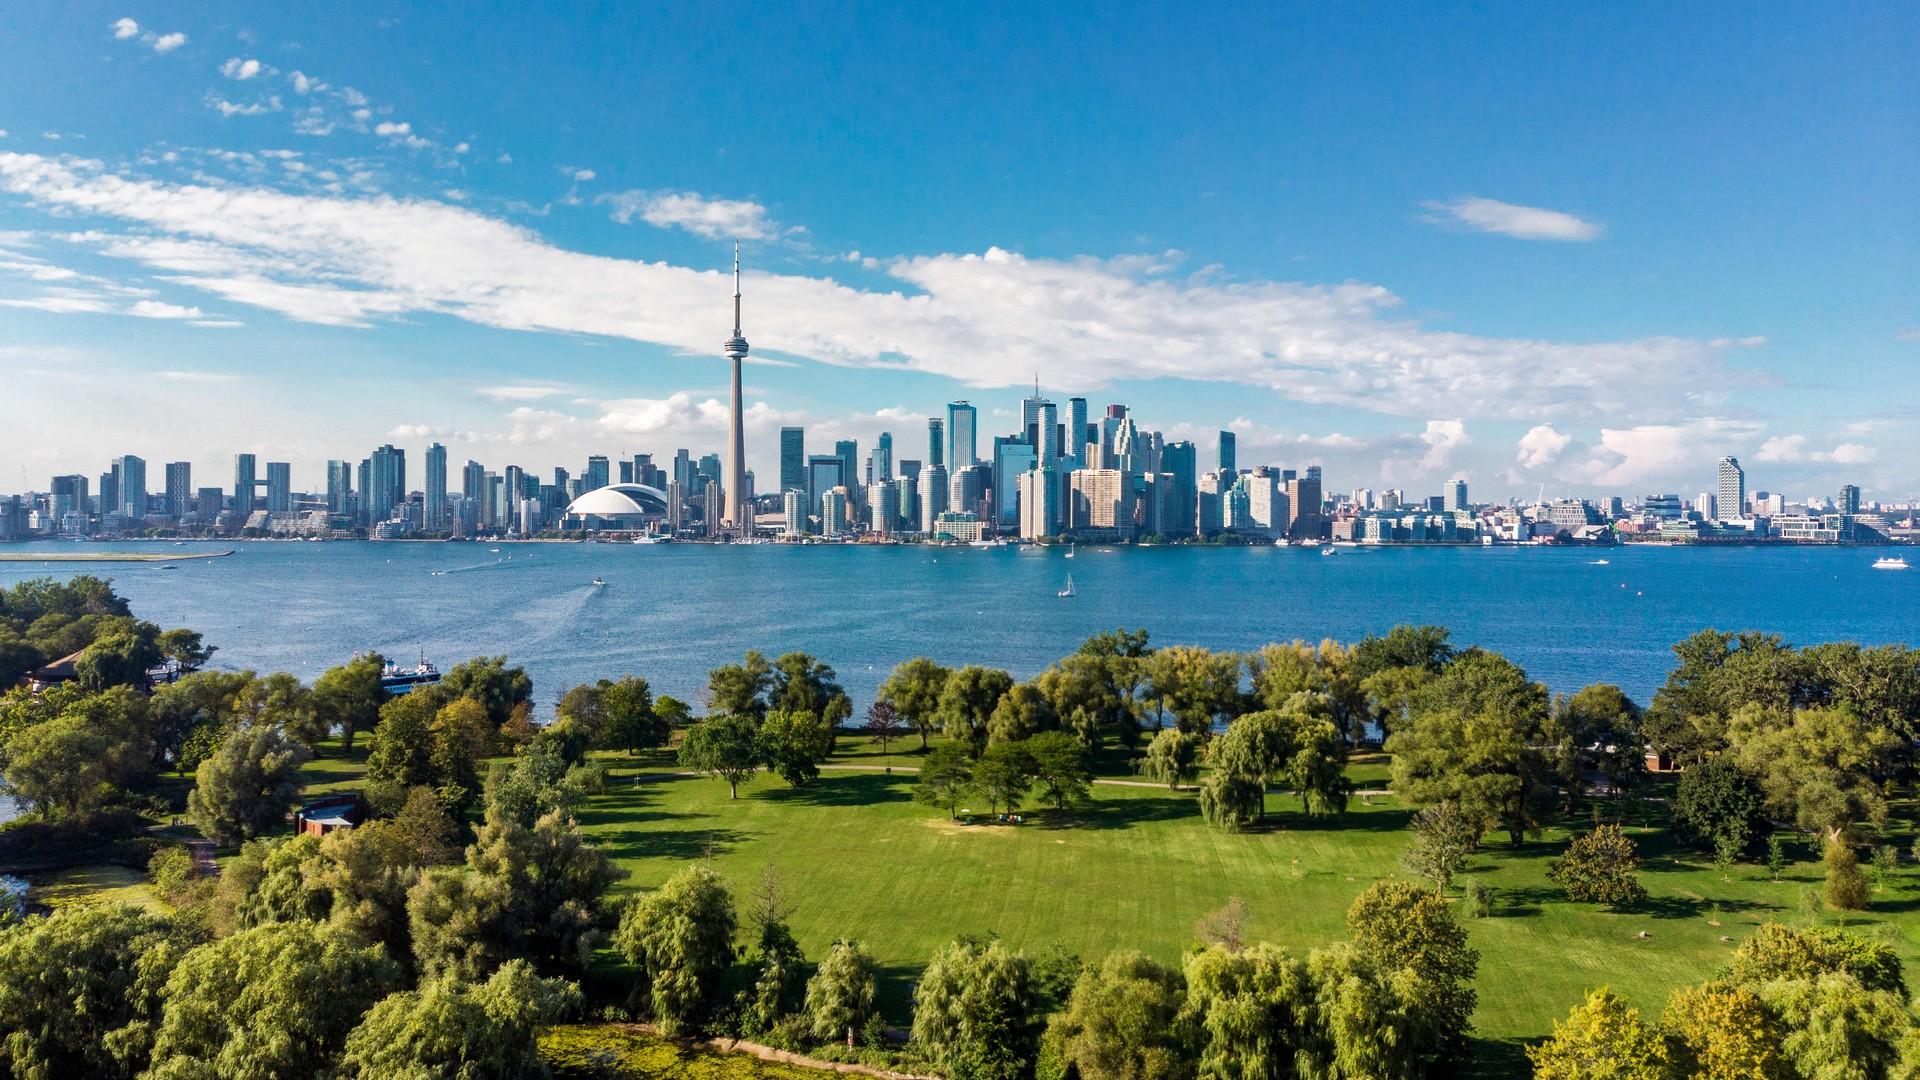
[671,612]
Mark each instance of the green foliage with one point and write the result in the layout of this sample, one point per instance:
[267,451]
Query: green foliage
[248,786]
[1422,647]
[1126,1020]
[946,778]
[276,1001]
[1718,1031]
[1024,711]
[1480,898]
[349,697]
[1198,686]
[539,782]
[172,872]
[794,743]
[1060,768]
[1253,1009]
[527,893]
[1601,730]
[1405,931]
[967,701]
[1475,737]
[1834,1026]
[1173,757]
[974,1013]
[184,648]
[1599,867]
[840,994]
[1821,767]
[1443,836]
[633,721]
[1776,952]
[914,690]
[1231,801]
[281,888]
[883,723]
[740,689]
[725,745]
[80,990]
[1846,886]
[802,683]
[1716,799]
[451,1029]
[488,680]
[367,872]
[120,656]
[80,760]
[679,940]
[1003,775]
[609,1052]
[1602,1039]
[1776,856]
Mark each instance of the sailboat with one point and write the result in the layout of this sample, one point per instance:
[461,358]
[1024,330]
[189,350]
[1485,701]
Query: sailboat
[1069,551]
[1067,589]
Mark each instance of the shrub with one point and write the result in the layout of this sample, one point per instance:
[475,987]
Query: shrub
[1599,868]
[1480,898]
[1846,885]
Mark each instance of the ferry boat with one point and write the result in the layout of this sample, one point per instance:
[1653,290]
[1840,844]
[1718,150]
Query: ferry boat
[1890,562]
[395,679]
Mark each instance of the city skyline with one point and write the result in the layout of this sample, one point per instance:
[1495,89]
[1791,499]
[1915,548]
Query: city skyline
[261,239]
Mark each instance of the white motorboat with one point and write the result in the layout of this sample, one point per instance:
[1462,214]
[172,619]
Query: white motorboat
[1890,562]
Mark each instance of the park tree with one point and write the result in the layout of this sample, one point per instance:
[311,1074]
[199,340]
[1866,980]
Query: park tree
[1602,1038]
[1716,676]
[967,702]
[778,968]
[120,656]
[1405,931]
[1820,767]
[1718,804]
[448,1028]
[914,689]
[1232,800]
[248,786]
[400,750]
[726,746]
[1444,836]
[1424,647]
[1600,730]
[539,782]
[368,872]
[1126,1020]
[80,990]
[274,1001]
[528,893]
[1023,711]
[1173,757]
[793,744]
[1721,1031]
[1476,737]
[1778,952]
[488,680]
[1253,1009]
[281,700]
[679,940]
[274,881]
[1315,764]
[974,1012]
[1060,768]
[802,683]
[946,778]
[80,760]
[1834,1026]
[349,697]
[1198,686]
[1881,684]
[632,721]
[463,737]
[1003,775]
[1846,886]
[1600,867]
[1325,671]
[840,994]
[185,649]
[740,689]
[883,723]
[202,701]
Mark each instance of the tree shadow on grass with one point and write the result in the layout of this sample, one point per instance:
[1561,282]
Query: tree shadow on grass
[1102,814]
[675,844]
[845,789]
[1689,907]
[1495,1059]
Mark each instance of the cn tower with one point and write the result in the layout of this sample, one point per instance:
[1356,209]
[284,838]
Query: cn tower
[739,517]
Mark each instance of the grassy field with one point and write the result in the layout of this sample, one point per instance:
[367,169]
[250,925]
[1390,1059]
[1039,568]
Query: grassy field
[857,857]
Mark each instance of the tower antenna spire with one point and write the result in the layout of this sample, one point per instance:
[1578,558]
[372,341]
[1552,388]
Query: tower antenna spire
[736,288]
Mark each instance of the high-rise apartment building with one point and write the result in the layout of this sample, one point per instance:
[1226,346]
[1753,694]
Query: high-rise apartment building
[130,475]
[1180,461]
[1226,462]
[1039,502]
[1732,493]
[932,495]
[936,442]
[179,488]
[1101,501]
[246,480]
[1455,496]
[599,473]
[433,514]
[385,486]
[1078,435]
[340,486]
[279,487]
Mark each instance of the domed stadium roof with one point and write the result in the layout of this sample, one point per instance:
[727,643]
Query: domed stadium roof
[620,500]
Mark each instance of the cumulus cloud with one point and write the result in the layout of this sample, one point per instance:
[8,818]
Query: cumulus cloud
[241,70]
[714,219]
[1782,448]
[1511,219]
[987,319]
[166,43]
[1541,445]
[124,28]
[1627,456]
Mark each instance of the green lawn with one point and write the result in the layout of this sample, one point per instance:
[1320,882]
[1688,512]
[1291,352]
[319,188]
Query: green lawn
[857,857]
[102,883]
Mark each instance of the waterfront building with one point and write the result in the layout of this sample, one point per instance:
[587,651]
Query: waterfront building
[906,501]
[70,495]
[833,512]
[180,489]
[793,512]
[386,484]
[279,487]
[1212,512]
[848,451]
[967,489]
[963,443]
[958,525]
[130,474]
[933,494]
[883,457]
[434,511]
[1662,507]
[883,507]
[1012,456]
[515,483]
[1304,505]
[340,484]
[1101,503]
[1732,490]
[1180,461]
[1226,462]
[1266,504]
[823,475]
[245,481]
[1849,500]
[793,459]
[713,509]
[1039,493]
[208,502]
[1455,497]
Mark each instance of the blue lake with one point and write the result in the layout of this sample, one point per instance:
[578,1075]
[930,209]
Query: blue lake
[670,612]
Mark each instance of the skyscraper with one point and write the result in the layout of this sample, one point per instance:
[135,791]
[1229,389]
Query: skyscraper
[434,513]
[933,494]
[1076,447]
[131,499]
[1226,452]
[245,480]
[793,459]
[1180,460]
[823,475]
[1849,500]
[340,486]
[1732,501]
[963,445]
[1012,456]
[599,474]
[848,451]
[936,442]
[736,351]
[883,457]
[1455,495]
[1038,420]
[386,484]
[179,488]
[69,497]
[279,487]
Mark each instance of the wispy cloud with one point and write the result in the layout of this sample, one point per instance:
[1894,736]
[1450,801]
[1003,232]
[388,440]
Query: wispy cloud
[520,392]
[701,215]
[1512,219]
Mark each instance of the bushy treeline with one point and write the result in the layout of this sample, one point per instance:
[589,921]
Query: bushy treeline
[42,620]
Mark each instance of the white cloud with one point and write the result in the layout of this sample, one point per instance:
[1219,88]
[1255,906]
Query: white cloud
[581,176]
[197,376]
[1541,445]
[392,130]
[715,219]
[1510,219]
[1782,448]
[166,43]
[156,309]
[1850,454]
[241,70]
[1628,456]
[1442,438]
[519,392]
[305,84]
[125,28]
[255,108]
[987,319]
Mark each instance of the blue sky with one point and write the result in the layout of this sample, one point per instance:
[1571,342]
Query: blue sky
[1528,246]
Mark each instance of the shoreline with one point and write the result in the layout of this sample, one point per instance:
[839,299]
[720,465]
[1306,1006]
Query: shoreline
[106,556]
